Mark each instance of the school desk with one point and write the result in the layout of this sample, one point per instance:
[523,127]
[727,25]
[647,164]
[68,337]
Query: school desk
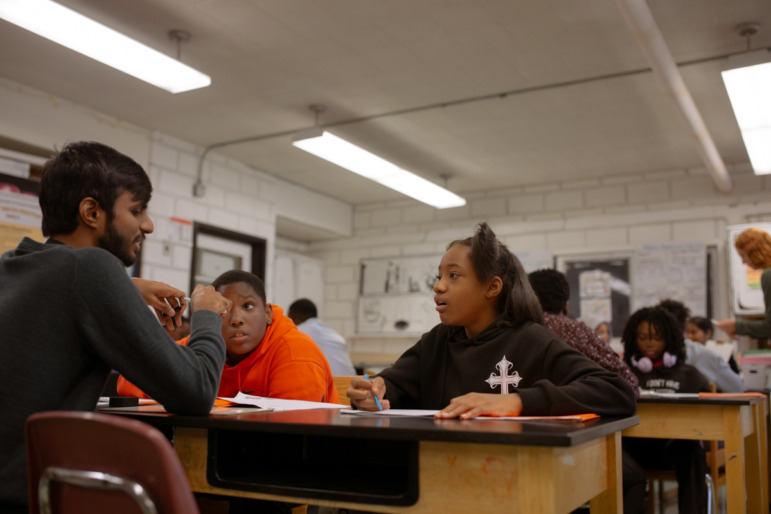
[739,421]
[402,465]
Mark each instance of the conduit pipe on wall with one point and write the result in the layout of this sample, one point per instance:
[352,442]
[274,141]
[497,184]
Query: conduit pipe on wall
[640,20]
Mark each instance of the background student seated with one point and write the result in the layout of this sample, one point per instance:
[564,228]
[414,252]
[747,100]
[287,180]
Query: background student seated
[654,349]
[303,313]
[69,312]
[491,354]
[553,291]
[701,330]
[714,368]
[266,354]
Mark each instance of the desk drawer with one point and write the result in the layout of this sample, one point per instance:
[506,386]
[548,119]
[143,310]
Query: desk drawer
[347,469]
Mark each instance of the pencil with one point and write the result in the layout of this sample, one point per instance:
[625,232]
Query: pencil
[377,400]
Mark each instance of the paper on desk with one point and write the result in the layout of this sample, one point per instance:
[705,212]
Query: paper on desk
[232,411]
[280,404]
[391,412]
[653,394]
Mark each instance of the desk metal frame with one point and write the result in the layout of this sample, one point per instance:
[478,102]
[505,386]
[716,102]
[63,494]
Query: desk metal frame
[464,466]
[740,422]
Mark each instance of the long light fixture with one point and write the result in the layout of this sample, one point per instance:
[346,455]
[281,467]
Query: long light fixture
[92,39]
[747,79]
[351,157]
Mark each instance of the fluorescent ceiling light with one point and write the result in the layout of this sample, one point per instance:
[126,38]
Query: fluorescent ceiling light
[84,35]
[349,156]
[748,82]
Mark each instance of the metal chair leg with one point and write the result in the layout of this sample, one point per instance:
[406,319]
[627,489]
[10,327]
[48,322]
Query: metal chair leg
[711,495]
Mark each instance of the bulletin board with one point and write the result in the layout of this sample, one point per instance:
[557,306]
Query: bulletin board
[611,286]
[20,217]
[600,287]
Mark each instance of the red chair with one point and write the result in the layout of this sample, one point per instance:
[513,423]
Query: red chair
[86,462]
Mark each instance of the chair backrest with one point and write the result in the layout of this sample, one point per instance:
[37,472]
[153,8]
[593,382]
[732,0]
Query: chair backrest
[84,462]
[341,384]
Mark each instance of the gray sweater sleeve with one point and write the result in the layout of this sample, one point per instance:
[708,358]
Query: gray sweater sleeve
[759,329]
[125,333]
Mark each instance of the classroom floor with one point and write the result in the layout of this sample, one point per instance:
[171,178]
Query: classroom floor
[671,506]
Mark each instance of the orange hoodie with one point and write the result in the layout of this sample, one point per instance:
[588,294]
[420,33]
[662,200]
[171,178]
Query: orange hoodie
[286,364]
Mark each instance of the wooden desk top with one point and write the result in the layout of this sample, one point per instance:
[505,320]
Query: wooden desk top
[735,400]
[333,423]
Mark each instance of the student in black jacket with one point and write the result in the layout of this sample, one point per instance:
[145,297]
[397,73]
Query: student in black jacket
[491,354]
[654,348]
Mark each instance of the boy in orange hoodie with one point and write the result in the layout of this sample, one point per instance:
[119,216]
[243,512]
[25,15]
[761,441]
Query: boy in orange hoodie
[267,355]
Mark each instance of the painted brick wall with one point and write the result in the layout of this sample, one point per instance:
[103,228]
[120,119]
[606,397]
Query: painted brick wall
[232,201]
[618,212]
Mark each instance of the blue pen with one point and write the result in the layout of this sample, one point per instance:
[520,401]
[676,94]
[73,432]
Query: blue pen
[377,401]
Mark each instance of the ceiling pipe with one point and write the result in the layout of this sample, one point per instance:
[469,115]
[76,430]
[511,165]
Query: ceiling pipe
[640,20]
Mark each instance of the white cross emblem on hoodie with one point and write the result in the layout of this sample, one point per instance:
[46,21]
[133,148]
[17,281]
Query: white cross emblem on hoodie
[504,379]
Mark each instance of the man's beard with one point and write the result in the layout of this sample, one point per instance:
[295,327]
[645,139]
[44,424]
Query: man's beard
[116,245]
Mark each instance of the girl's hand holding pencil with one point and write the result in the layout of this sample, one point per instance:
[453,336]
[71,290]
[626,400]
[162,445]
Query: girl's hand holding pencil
[366,393]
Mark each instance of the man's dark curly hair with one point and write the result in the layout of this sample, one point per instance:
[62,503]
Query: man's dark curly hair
[678,310]
[552,289]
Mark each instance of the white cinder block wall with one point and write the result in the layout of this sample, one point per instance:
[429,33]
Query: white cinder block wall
[612,213]
[237,198]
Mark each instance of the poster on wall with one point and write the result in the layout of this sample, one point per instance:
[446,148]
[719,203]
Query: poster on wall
[396,295]
[600,288]
[19,217]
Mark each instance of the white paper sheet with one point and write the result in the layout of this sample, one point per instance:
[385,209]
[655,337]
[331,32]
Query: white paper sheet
[390,412]
[280,404]
[653,394]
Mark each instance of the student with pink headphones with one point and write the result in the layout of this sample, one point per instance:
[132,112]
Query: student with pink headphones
[654,348]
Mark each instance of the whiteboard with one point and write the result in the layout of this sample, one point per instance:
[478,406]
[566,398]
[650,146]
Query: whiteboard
[746,294]
[396,295]
[671,270]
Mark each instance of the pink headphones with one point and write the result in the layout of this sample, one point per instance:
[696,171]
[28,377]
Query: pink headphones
[645,365]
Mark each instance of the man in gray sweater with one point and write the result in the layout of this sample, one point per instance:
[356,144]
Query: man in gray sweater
[69,313]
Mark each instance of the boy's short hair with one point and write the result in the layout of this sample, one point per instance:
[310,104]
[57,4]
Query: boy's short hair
[677,309]
[87,169]
[302,309]
[704,324]
[552,289]
[237,275]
